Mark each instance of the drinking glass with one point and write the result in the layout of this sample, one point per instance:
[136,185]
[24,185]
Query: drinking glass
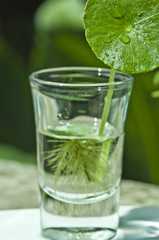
[79,169]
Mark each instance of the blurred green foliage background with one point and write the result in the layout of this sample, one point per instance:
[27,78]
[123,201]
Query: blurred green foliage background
[40,34]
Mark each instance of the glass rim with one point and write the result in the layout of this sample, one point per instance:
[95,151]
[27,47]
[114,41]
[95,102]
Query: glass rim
[33,77]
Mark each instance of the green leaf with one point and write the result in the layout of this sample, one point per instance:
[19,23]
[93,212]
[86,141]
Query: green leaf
[73,130]
[80,130]
[124,34]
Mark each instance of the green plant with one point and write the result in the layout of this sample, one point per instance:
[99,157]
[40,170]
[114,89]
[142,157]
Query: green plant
[122,39]
[111,32]
[82,156]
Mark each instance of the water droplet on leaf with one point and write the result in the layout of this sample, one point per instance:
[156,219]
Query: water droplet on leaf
[108,40]
[106,54]
[139,14]
[112,63]
[125,39]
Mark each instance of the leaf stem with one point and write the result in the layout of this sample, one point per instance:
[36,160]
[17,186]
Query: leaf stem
[107,101]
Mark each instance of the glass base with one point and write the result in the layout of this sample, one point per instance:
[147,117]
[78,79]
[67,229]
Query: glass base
[86,221]
[78,233]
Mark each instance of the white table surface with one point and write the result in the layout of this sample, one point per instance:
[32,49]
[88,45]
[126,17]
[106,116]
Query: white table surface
[136,223]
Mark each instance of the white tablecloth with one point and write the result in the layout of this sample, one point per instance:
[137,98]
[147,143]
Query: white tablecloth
[136,223]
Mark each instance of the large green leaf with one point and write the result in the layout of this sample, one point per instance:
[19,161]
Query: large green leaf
[124,33]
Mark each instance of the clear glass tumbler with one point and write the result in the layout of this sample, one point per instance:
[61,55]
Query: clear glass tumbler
[79,169]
